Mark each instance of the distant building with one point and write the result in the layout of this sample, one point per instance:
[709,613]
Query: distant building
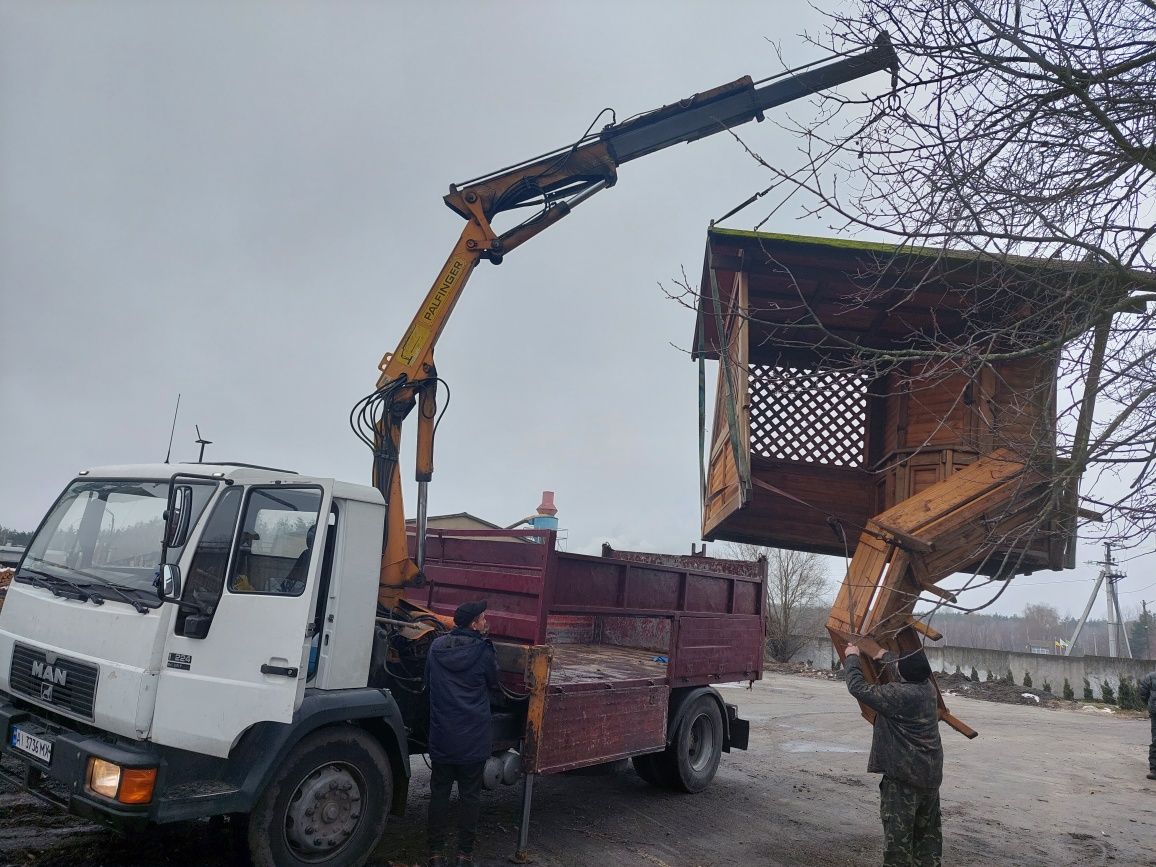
[456,521]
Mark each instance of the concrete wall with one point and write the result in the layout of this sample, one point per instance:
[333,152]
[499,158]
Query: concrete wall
[1053,669]
[818,651]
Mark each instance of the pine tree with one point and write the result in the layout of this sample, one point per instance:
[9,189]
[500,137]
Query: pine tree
[1127,695]
[1107,695]
[1047,687]
[1027,678]
[974,675]
[990,676]
[1069,695]
[1087,690]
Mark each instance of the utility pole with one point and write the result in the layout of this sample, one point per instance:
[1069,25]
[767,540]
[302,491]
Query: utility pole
[1117,634]
[1145,618]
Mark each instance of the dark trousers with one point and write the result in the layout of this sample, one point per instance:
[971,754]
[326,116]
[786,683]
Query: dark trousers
[912,834]
[1152,748]
[469,780]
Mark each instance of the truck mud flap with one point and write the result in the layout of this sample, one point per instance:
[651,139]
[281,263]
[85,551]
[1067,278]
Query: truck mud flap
[738,730]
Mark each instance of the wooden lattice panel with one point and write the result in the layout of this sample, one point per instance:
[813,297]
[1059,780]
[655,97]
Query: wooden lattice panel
[808,415]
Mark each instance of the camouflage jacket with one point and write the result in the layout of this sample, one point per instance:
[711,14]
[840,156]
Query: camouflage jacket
[905,745]
[1148,691]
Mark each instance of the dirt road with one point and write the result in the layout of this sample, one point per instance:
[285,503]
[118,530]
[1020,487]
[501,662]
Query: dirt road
[1038,786]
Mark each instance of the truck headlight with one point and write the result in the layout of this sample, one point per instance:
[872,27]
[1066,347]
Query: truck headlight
[127,785]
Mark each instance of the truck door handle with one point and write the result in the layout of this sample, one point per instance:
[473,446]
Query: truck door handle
[278,669]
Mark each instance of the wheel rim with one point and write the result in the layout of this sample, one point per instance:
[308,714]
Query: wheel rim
[702,743]
[324,812]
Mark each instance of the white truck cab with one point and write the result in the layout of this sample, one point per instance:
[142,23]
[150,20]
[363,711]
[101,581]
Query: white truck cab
[177,635]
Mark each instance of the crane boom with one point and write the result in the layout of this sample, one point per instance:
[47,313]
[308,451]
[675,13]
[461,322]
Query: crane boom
[556,182]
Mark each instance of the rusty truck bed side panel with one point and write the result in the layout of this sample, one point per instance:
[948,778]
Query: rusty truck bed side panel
[612,635]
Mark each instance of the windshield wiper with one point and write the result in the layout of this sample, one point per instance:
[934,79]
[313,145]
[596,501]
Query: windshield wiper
[48,582]
[103,582]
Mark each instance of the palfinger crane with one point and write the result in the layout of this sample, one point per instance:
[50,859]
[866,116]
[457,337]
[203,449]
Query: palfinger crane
[555,183]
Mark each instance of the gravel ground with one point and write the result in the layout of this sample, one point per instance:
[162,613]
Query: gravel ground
[1039,786]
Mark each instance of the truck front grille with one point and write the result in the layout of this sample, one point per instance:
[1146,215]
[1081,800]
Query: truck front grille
[54,680]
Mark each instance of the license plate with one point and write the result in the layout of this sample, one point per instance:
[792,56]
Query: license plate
[25,742]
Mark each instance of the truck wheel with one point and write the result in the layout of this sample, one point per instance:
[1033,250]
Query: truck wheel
[326,805]
[694,755]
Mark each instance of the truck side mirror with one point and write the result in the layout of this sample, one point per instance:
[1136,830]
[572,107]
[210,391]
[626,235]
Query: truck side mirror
[178,515]
[170,584]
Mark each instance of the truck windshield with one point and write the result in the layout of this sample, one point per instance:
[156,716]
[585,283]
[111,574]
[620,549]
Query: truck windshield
[106,532]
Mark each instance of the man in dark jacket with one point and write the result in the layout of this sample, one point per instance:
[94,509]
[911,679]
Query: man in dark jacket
[1148,696]
[906,749]
[460,671]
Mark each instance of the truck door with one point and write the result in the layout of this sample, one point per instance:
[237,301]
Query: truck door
[238,653]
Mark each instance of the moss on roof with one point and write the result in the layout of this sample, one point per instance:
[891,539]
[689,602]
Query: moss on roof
[930,252]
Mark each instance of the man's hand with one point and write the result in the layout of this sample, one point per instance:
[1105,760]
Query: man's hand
[851,650]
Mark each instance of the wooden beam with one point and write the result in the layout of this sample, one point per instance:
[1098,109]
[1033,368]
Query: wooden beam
[906,540]
[957,724]
[925,630]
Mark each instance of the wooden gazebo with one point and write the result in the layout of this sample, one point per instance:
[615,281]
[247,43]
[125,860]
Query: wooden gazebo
[811,439]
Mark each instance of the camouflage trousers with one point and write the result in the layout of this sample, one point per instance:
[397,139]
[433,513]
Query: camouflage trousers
[1152,748]
[911,825]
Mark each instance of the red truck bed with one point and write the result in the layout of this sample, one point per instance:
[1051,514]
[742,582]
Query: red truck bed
[620,631]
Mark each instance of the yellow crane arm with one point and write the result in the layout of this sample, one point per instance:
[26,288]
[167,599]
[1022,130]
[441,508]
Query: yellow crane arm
[556,183]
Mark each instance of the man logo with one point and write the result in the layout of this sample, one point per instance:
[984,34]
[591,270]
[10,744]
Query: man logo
[46,691]
[47,673]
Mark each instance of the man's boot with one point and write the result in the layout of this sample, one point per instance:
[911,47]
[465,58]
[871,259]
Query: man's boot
[437,860]
[1152,775]
[464,860]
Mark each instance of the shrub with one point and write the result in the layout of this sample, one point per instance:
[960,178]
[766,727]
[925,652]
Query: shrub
[1027,678]
[1047,687]
[957,669]
[1009,677]
[990,676]
[1087,690]
[1128,696]
[974,675]
[1107,695]
[1068,693]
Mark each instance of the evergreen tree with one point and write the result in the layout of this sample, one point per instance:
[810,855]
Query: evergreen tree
[1107,695]
[1068,693]
[974,675]
[1128,697]
[1027,678]
[1087,690]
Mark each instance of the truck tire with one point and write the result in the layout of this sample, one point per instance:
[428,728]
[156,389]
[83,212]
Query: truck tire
[327,803]
[693,756]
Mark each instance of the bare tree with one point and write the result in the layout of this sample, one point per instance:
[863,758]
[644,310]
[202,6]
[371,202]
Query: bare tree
[1018,128]
[1042,622]
[797,588]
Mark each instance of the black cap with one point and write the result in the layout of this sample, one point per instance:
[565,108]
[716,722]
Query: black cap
[914,667]
[468,612]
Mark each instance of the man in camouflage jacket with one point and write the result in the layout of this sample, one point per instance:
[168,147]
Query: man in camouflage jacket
[906,749]
[1148,696]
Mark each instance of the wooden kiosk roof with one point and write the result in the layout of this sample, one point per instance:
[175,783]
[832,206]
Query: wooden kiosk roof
[870,294]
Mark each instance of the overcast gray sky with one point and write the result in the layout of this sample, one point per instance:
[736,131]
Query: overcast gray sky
[241,202]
